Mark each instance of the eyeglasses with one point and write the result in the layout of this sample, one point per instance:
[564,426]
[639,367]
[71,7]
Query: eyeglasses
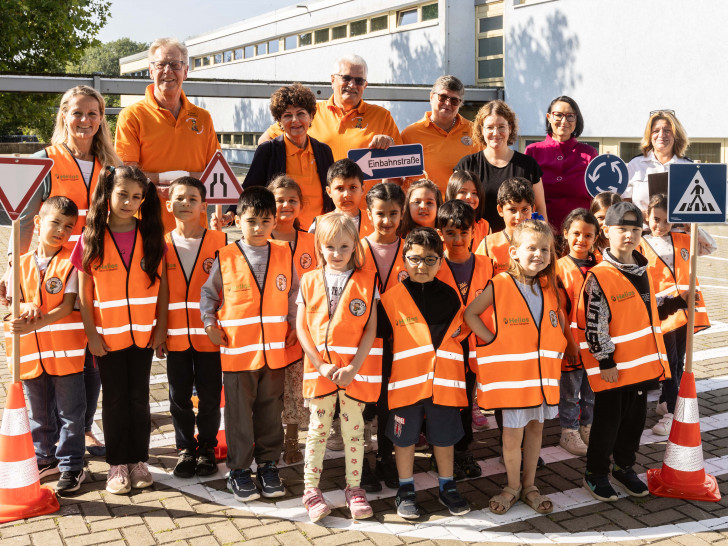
[347,79]
[558,116]
[174,65]
[417,260]
[503,129]
[671,112]
[454,101]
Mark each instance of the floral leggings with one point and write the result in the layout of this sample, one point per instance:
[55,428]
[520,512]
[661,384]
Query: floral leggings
[352,430]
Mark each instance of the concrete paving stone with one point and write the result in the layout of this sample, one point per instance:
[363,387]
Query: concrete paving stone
[225,532]
[181,534]
[340,537]
[47,538]
[201,520]
[72,525]
[94,511]
[116,523]
[138,535]
[159,522]
[136,509]
[312,530]
[27,528]
[208,540]
[94,538]
[622,519]
[177,507]
[242,519]
[267,528]
[20,540]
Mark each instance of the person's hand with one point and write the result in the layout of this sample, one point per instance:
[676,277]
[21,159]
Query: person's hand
[216,335]
[344,376]
[158,339]
[572,354]
[291,337]
[381,142]
[161,351]
[219,222]
[96,345]
[30,312]
[327,370]
[610,376]
[21,326]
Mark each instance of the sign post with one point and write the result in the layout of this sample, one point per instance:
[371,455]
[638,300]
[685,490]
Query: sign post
[606,172]
[221,184]
[394,162]
[20,178]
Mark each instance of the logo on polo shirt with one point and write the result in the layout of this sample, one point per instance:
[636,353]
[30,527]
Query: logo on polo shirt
[207,265]
[106,267]
[240,287]
[516,321]
[357,307]
[281,282]
[54,285]
[192,124]
[466,140]
[359,123]
[405,321]
[402,275]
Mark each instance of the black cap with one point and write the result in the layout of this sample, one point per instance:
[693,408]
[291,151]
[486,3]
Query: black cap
[615,215]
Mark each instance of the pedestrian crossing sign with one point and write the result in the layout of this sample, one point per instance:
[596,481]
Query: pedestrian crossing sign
[696,193]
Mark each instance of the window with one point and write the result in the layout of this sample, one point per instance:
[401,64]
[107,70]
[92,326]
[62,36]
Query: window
[429,12]
[261,49]
[489,43]
[337,33]
[357,28]
[291,42]
[239,53]
[206,61]
[218,58]
[379,23]
[628,150]
[490,46]
[593,143]
[705,152]
[249,139]
[226,138]
[198,62]
[304,39]
[249,51]
[227,56]
[488,24]
[490,69]
[273,46]
[406,17]
[321,36]
[237,139]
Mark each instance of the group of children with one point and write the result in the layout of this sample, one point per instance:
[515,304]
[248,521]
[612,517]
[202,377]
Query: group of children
[391,308]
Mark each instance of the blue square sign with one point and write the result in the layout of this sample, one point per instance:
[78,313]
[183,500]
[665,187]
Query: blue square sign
[696,193]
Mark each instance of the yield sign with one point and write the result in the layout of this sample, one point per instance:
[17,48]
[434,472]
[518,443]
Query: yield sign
[220,182]
[20,177]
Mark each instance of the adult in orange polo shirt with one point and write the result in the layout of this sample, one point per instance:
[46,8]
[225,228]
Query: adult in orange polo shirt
[443,133]
[345,121]
[164,134]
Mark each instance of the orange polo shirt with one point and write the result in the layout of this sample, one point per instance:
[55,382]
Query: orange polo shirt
[442,149]
[150,135]
[301,166]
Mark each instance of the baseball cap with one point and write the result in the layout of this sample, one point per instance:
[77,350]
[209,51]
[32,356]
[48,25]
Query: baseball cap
[616,213]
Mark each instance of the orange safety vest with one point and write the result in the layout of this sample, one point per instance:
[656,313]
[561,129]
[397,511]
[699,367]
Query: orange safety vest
[639,349]
[337,337]
[420,370]
[480,232]
[67,180]
[512,371]
[125,305]
[58,348]
[669,282]
[480,275]
[397,273]
[365,225]
[184,322]
[496,246]
[255,321]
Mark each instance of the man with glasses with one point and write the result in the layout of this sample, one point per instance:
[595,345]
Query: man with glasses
[345,121]
[164,134]
[443,132]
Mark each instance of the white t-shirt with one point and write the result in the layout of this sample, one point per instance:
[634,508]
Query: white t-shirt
[187,250]
[663,247]
[87,169]
[335,283]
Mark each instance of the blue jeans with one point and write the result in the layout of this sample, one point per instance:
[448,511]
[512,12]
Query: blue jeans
[56,410]
[576,405]
[92,379]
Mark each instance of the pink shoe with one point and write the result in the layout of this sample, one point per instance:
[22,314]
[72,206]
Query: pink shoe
[356,500]
[314,502]
[480,421]
[421,444]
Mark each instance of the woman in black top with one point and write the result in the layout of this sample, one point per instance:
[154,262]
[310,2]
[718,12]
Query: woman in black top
[496,128]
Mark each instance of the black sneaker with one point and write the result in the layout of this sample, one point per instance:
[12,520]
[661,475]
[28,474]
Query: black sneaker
[240,483]
[185,467]
[450,497]
[627,477]
[206,462]
[467,466]
[599,486]
[539,464]
[369,481]
[406,502]
[270,482]
[49,469]
[70,481]
[386,470]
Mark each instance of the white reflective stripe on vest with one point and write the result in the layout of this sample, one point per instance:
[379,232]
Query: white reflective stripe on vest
[19,473]
[184,305]
[184,331]
[550,354]
[251,348]
[125,328]
[515,357]
[35,356]
[310,376]
[452,383]
[342,350]
[683,458]
[123,302]
[82,212]
[628,337]
[15,422]
[629,364]
[413,352]
[671,290]
[518,384]
[65,327]
[368,378]
[449,355]
[394,385]
[252,320]
[74,238]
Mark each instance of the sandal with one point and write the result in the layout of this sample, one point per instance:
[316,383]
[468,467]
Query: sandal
[537,501]
[503,501]
[291,452]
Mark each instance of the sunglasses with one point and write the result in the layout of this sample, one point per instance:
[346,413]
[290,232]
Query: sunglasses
[346,79]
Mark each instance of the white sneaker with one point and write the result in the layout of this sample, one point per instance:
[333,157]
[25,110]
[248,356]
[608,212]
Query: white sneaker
[663,426]
[585,433]
[572,442]
[140,476]
[661,408]
[335,442]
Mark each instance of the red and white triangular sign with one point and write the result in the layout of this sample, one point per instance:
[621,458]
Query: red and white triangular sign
[20,177]
[220,182]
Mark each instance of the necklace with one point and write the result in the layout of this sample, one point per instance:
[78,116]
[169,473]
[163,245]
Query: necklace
[454,120]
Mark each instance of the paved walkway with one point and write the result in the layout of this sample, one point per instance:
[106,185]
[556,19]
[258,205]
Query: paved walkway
[202,512]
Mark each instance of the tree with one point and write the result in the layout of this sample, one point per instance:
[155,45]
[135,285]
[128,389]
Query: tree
[43,36]
[104,58]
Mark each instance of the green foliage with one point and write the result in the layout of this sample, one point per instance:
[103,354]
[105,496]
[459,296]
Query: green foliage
[104,58]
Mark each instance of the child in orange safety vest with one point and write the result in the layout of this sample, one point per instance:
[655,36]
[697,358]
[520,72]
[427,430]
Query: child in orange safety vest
[466,186]
[52,348]
[519,363]
[336,327]
[124,294]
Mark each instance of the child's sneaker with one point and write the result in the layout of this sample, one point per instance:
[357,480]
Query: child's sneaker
[406,502]
[140,476]
[70,481]
[240,483]
[117,481]
[661,408]
[315,504]
[206,464]
[599,487]
[185,467]
[467,465]
[386,470]
[356,500]
[270,482]
[451,497]
[369,482]
[48,469]
[480,421]
[585,433]
[663,426]
[627,477]
[335,442]
[571,441]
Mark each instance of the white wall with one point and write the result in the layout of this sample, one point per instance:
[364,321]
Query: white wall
[619,60]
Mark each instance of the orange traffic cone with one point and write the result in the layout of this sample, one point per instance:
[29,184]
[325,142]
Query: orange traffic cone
[21,494]
[682,475]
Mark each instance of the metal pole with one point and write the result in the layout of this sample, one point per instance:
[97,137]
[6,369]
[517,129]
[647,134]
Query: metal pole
[16,298]
[691,297]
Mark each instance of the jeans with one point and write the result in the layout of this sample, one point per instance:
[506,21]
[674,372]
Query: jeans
[56,408]
[576,405]
[201,369]
[92,380]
